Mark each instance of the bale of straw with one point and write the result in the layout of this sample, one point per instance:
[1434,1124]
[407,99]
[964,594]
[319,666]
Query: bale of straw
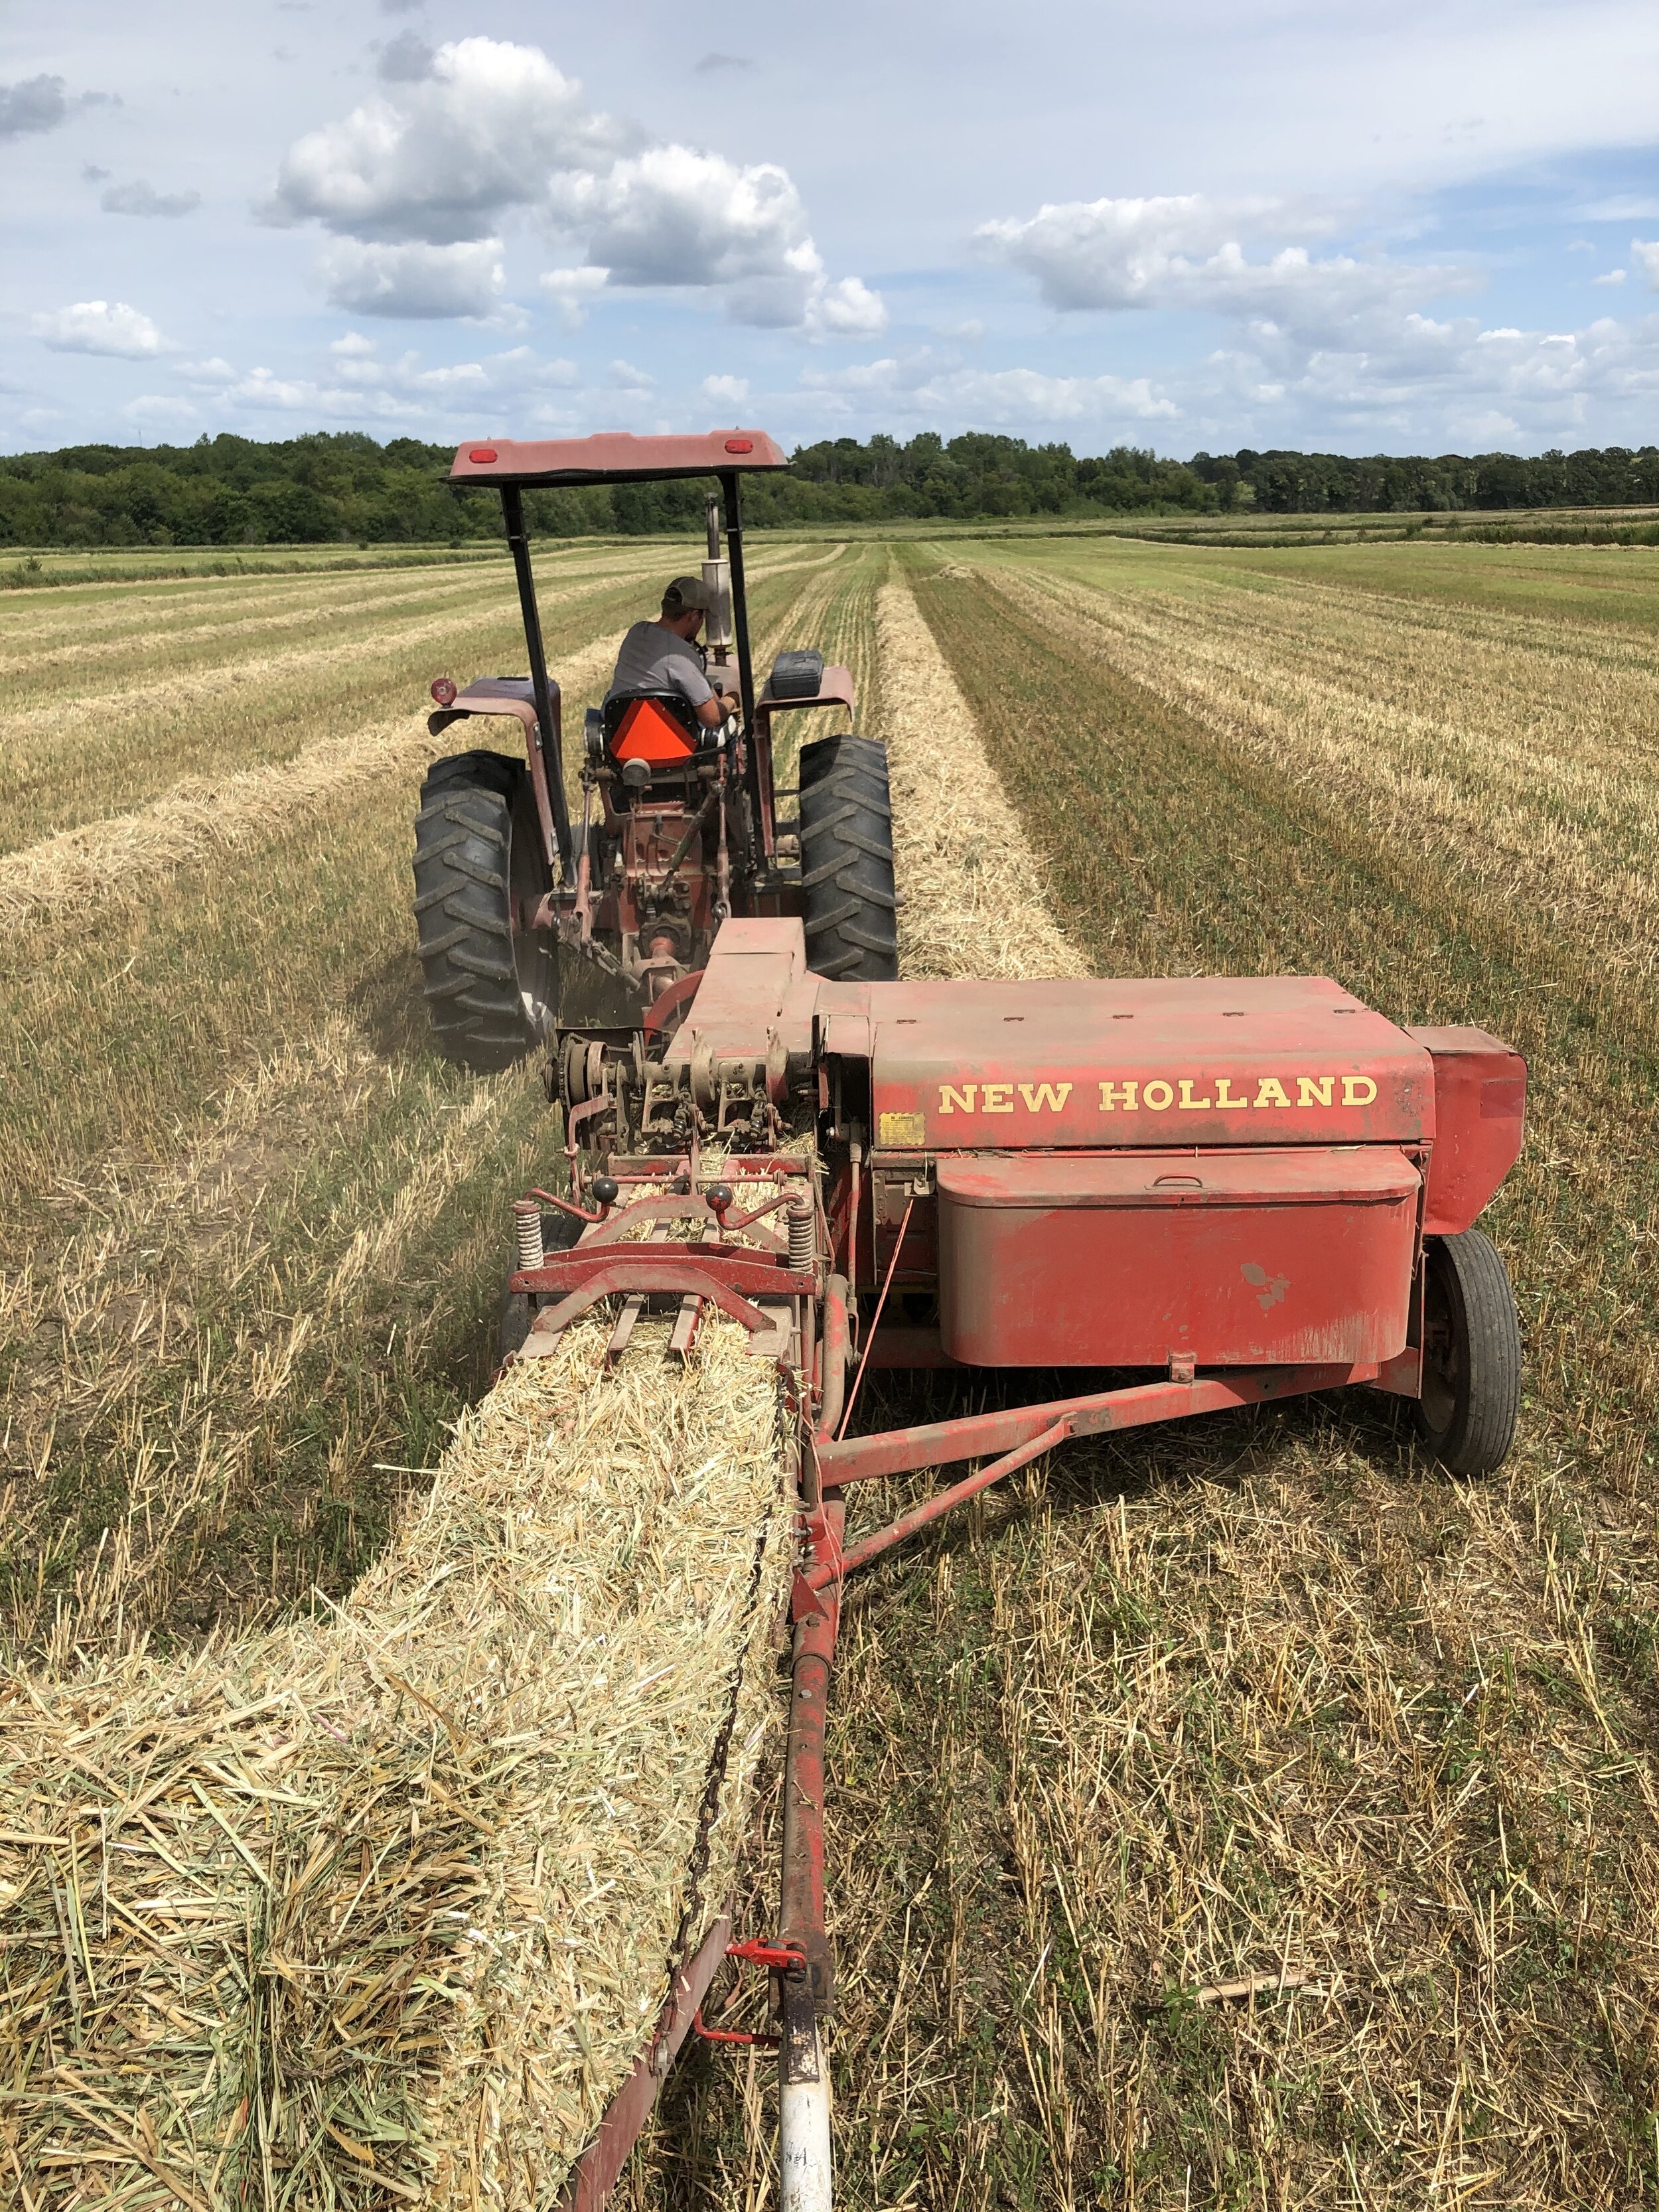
[383,1909]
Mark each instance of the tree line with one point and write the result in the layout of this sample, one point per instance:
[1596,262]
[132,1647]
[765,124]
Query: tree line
[344,486]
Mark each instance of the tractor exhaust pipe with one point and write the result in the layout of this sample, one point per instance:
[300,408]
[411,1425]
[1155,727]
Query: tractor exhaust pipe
[717,575]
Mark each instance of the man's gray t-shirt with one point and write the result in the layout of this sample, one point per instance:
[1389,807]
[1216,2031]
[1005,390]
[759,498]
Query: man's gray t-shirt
[654,659]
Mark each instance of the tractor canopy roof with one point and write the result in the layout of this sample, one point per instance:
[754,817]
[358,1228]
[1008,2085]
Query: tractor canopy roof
[613,457]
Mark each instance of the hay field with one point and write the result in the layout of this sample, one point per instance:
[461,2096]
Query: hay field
[1175,1709]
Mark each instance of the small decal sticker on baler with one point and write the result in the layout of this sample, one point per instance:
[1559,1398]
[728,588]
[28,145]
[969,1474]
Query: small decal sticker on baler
[902,1129]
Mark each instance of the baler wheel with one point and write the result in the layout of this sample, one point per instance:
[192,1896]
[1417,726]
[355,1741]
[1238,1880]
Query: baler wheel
[846,860]
[492,991]
[1471,1355]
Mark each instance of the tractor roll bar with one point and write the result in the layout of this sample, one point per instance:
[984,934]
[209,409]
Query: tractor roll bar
[617,457]
[546,727]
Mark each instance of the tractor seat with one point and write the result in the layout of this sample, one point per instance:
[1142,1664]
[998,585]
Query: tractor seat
[658,727]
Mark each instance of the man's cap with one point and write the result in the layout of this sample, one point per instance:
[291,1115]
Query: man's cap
[685,593]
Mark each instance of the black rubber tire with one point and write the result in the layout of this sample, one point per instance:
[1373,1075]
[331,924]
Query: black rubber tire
[561,1232]
[846,860]
[1471,1355]
[492,994]
[513,1325]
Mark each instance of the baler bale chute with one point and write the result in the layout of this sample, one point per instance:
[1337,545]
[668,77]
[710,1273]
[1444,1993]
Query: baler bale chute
[1120,1202]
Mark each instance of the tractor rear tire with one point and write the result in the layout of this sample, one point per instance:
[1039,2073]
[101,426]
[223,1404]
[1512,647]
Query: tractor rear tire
[1471,1397]
[846,860]
[492,991]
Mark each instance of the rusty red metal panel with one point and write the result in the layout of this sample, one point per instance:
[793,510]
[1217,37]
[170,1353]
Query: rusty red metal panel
[1480,1100]
[1275,1060]
[835,690]
[597,2172]
[614,455]
[1228,1258]
[756,985]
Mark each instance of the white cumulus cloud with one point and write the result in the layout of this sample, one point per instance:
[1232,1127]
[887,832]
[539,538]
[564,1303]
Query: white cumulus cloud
[732,390]
[923,387]
[672,216]
[572,292]
[443,158]
[1425,383]
[101,327]
[463,138]
[416,281]
[357,385]
[1645,251]
[1186,251]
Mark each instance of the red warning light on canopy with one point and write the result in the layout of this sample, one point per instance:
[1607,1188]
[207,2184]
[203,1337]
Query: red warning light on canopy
[732,446]
[443,690]
[483,453]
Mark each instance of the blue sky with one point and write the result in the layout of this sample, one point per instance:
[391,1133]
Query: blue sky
[1180,223]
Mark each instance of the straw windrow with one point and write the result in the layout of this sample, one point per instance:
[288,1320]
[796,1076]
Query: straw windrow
[383,1909]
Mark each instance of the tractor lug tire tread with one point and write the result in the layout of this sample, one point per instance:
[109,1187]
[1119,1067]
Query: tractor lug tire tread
[846,844]
[463,909]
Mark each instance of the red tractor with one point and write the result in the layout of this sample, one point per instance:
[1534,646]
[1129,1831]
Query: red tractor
[524,916]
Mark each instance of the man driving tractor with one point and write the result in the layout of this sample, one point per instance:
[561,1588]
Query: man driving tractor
[664,655]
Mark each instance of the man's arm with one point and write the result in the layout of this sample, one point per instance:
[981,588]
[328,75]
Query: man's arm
[714,710]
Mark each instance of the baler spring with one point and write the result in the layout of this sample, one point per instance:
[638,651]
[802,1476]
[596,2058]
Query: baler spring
[802,1222]
[527,1232]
